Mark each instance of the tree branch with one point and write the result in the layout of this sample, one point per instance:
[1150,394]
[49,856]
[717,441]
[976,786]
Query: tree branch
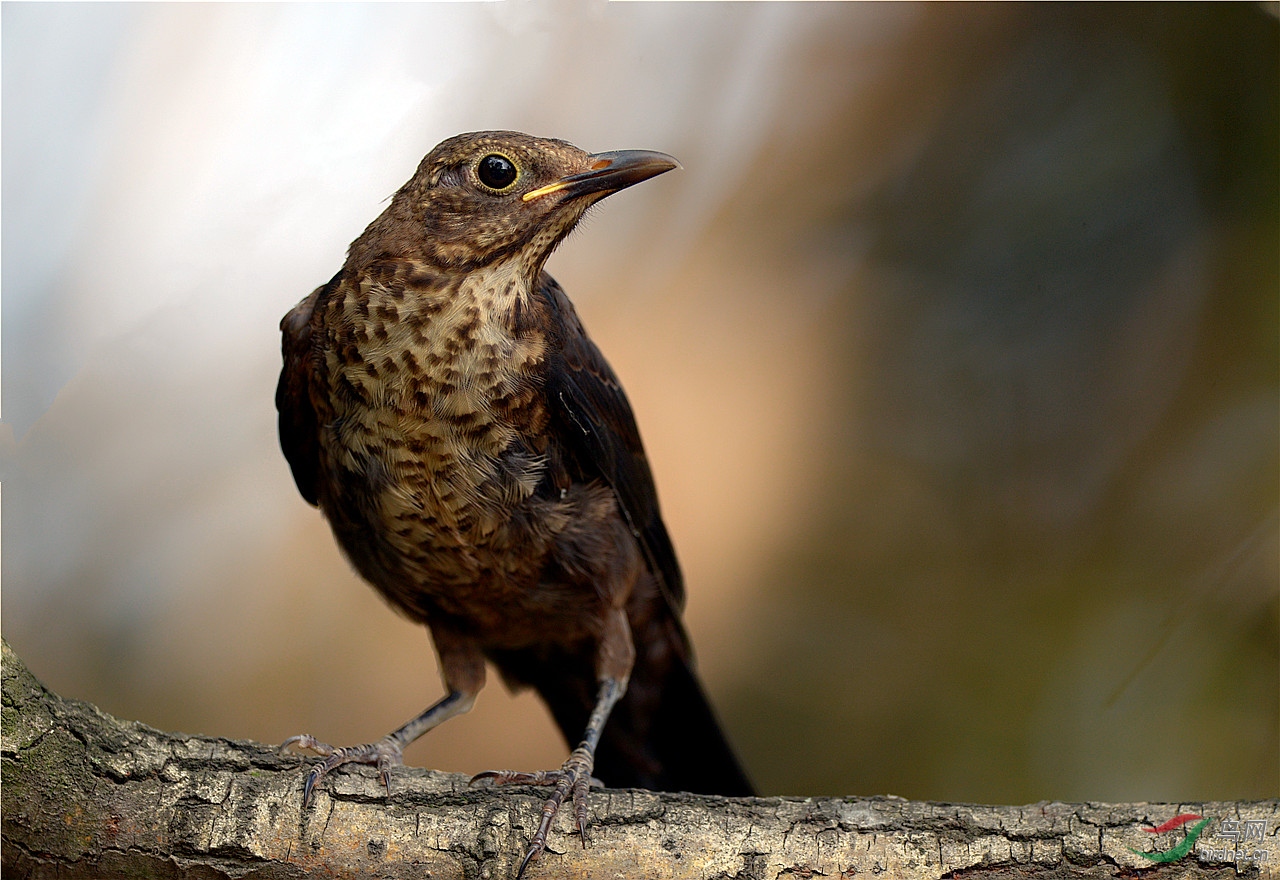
[86,795]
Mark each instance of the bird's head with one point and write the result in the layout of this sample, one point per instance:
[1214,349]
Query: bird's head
[485,196]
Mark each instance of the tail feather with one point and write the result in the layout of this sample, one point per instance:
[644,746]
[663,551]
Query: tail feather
[678,746]
[662,735]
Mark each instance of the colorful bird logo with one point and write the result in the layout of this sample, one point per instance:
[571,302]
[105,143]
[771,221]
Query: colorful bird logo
[1179,851]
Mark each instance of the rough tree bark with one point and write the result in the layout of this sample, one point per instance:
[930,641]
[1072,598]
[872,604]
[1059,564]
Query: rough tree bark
[86,795]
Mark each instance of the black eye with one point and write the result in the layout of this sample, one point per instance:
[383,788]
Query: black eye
[496,171]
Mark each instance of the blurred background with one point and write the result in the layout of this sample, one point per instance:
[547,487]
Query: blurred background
[955,346]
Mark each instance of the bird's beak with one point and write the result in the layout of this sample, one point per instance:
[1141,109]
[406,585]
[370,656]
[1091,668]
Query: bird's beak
[608,173]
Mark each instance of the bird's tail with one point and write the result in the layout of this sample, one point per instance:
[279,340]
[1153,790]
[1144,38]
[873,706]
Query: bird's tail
[674,744]
[662,735]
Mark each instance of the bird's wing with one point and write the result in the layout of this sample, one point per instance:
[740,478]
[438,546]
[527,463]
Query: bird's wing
[599,434]
[299,426]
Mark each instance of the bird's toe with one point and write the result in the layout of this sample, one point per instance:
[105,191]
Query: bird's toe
[384,754]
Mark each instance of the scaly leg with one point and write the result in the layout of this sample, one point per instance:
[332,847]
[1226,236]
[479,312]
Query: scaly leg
[462,665]
[615,656]
[386,753]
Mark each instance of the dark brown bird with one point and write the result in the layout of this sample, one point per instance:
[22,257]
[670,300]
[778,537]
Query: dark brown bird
[481,467]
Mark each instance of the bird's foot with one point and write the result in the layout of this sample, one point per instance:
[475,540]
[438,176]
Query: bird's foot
[572,779]
[384,754]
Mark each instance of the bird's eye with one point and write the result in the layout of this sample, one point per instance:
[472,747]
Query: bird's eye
[497,171]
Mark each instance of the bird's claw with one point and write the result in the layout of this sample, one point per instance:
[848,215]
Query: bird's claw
[573,780]
[384,754]
[308,742]
[516,777]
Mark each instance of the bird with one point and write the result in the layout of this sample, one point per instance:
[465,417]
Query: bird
[480,466]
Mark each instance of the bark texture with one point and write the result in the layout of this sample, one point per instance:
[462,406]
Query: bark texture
[86,795]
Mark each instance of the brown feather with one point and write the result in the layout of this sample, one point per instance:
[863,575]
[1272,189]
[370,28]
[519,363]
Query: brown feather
[480,464]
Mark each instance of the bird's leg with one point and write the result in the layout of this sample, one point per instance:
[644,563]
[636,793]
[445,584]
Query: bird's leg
[615,656]
[386,753]
[463,670]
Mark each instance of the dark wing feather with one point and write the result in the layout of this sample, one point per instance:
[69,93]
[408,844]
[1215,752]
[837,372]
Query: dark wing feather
[599,433]
[663,734]
[299,426]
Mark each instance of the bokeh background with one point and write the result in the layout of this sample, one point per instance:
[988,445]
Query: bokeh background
[954,346]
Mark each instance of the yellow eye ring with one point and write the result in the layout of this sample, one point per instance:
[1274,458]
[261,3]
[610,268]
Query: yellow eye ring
[497,172]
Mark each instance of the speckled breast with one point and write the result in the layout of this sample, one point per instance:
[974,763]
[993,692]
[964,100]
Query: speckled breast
[434,397]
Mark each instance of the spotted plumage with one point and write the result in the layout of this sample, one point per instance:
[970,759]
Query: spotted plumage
[480,466]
